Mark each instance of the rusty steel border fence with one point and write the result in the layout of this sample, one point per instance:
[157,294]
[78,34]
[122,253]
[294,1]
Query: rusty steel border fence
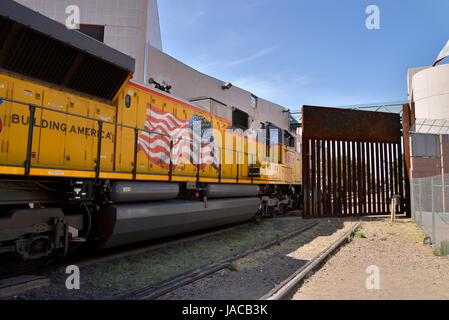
[352,162]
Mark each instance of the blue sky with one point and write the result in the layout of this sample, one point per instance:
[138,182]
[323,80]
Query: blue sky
[307,52]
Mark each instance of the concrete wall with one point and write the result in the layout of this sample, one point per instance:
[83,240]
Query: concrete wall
[410,74]
[153,25]
[188,83]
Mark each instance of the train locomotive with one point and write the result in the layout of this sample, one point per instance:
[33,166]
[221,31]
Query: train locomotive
[88,157]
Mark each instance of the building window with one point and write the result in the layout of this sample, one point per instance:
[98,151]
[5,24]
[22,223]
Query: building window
[425,145]
[93,31]
[253,101]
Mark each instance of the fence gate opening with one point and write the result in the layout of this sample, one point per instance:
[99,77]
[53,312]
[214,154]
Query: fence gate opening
[352,162]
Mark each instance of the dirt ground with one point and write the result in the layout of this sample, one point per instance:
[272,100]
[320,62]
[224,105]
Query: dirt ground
[408,269]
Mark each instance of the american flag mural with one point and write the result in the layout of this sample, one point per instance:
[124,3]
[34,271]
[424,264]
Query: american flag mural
[187,137]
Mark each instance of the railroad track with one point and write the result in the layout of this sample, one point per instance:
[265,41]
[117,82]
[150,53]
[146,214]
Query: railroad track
[18,283]
[287,288]
[283,291]
[157,290]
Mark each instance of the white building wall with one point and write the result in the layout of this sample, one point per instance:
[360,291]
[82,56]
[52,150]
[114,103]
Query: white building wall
[153,25]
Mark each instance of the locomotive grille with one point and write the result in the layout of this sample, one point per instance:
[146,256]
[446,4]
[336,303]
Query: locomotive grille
[239,119]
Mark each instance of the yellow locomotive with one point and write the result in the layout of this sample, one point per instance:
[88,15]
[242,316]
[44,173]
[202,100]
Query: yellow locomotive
[65,145]
[87,155]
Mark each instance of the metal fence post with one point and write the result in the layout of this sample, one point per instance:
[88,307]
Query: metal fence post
[412,200]
[433,214]
[420,204]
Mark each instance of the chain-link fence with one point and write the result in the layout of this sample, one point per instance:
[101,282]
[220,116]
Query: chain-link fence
[430,206]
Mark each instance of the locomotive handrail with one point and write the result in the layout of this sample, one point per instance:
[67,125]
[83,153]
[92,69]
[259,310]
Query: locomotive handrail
[111,123]
[101,122]
[80,116]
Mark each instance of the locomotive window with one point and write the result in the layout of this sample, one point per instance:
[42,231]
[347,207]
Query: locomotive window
[239,119]
[289,140]
[128,101]
[274,135]
[253,101]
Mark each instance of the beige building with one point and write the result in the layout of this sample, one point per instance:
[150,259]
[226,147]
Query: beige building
[428,90]
[132,27]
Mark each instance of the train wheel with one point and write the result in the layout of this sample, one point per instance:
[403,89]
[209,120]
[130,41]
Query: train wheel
[11,263]
[257,219]
[283,209]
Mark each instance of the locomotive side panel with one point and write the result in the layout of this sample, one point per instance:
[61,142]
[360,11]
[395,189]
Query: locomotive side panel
[165,118]
[4,127]
[17,118]
[59,140]
[127,114]
[67,142]
[78,148]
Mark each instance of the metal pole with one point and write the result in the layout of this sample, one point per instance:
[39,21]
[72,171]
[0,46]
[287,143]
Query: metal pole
[219,167]
[170,172]
[412,201]
[252,166]
[420,205]
[100,130]
[238,161]
[30,140]
[433,214]
[136,138]
[198,166]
